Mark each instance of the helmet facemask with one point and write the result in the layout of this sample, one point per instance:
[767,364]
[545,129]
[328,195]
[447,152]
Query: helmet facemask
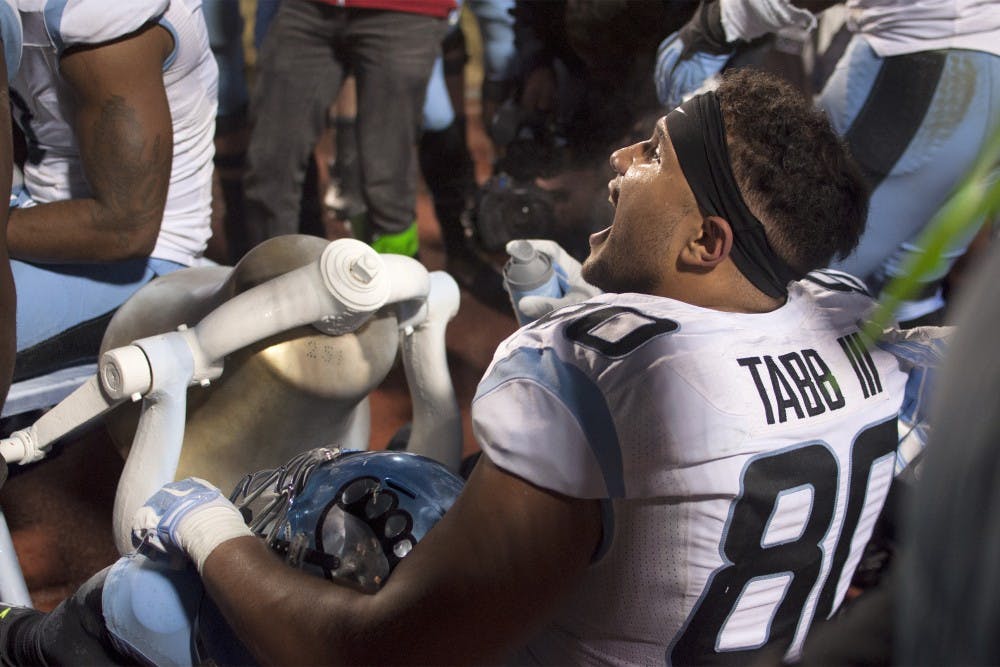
[359,516]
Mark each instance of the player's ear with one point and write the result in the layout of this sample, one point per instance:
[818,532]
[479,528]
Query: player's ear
[712,243]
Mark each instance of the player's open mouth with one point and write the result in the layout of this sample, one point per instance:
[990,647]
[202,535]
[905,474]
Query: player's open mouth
[599,237]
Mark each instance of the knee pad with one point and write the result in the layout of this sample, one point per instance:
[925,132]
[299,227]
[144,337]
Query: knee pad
[150,609]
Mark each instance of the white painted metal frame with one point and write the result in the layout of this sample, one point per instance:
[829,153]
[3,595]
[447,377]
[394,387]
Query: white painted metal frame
[336,294]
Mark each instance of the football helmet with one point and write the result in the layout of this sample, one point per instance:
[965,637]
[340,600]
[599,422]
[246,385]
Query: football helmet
[350,515]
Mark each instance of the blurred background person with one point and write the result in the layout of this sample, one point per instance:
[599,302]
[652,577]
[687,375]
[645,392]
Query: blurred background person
[310,47]
[116,104]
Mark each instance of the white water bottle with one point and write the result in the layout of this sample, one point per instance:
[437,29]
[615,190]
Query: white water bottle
[528,273]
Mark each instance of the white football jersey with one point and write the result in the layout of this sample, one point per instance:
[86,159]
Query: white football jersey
[744,459]
[41,106]
[895,27]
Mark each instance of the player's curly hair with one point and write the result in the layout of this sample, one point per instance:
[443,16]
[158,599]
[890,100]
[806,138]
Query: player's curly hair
[793,171]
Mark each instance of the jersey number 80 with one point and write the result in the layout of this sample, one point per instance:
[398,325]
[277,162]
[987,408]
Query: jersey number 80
[746,558]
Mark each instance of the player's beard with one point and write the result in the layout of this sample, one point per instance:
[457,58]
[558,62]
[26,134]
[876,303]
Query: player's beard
[634,264]
[617,274]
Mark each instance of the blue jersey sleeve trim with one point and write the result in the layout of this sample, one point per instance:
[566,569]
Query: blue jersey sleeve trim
[581,397]
[173,34]
[53,22]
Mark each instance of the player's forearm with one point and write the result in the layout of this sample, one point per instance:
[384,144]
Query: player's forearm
[463,595]
[123,129]
[284,616]
[80,230]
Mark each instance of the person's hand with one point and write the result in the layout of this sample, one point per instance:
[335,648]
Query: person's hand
[689,57]
[190,516]
[575,289]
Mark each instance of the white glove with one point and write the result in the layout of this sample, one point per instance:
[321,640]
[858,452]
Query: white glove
[190,516]
[575,288]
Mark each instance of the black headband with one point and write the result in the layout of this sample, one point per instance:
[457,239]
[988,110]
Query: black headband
[699,138]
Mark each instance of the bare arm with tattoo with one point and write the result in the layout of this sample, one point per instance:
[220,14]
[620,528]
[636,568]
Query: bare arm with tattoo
[124,133]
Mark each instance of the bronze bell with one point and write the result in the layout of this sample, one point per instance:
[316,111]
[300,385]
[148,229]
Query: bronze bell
[283,395]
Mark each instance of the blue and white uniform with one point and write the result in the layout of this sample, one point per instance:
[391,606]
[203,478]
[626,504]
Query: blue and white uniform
[895,27]
[190,77]
[12,35]
[742,458]
[919,83]
[916,95]
[54,172]
[496,25]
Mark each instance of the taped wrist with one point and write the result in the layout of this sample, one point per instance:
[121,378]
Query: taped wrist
[746,20]
[201,532]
